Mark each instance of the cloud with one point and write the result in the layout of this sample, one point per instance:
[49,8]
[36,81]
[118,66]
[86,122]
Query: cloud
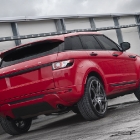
[129,6]
[10,8]
[66,7]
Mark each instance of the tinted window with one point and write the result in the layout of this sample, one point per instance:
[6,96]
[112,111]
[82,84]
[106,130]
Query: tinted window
[90,43]
[107,43]
[68,43]
[73,43]
[61,47]
[0,60]
[30,52]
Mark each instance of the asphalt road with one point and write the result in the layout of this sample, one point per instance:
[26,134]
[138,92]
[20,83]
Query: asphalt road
[122,122]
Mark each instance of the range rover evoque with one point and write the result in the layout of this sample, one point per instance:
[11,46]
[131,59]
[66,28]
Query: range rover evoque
[74,71]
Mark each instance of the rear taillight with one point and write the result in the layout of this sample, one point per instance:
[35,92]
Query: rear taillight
[62,64]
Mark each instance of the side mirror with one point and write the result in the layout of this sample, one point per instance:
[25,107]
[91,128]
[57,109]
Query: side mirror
[125,46]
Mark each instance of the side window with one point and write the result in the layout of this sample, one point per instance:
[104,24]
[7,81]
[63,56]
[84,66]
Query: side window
[73,43]
[61,47]
[0,61]
[107,43]
[68,43]
[90,43]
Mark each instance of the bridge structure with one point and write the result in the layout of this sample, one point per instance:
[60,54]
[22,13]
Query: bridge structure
[15,31]
[119,27]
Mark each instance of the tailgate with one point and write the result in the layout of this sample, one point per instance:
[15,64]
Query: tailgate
[23,79]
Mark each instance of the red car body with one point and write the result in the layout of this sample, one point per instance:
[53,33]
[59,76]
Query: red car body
[33,87]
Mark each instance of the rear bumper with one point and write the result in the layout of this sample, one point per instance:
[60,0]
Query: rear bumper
[42,102]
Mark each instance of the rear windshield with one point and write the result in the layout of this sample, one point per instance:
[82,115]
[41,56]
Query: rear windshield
[30,51]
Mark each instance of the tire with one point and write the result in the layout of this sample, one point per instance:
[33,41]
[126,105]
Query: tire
[15,127]
[137,93]
[93,104]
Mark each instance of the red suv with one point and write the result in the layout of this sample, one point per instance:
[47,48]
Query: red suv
[76,71]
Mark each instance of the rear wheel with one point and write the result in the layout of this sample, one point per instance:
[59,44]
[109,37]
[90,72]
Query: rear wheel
[93,104]
[15,127]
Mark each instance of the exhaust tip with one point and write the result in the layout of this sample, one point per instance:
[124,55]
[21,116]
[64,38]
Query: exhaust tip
[61,107]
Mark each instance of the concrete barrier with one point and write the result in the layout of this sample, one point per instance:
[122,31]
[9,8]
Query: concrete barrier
[1,130]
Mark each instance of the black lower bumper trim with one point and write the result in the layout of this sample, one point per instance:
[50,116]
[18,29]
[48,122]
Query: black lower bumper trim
[32,109]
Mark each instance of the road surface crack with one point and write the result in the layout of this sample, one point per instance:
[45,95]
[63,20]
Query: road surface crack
[119,133]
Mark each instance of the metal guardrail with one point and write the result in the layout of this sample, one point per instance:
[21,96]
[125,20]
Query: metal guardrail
[11,38]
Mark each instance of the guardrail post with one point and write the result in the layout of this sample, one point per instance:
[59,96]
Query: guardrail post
[60,25]
[137,17]
[92,23]
[15,32]
[118,31]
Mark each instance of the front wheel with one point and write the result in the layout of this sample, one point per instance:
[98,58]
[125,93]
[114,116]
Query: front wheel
[137,93]
[93,104]
[15,127]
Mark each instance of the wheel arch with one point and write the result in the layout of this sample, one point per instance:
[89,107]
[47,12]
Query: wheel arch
[93,73]
[98,75]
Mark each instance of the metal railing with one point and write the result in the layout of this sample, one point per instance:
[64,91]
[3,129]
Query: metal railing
[11,38]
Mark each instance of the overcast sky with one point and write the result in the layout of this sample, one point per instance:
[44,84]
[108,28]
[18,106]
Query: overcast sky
[13,8]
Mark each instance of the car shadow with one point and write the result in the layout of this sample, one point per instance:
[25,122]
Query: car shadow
[70,121]
[66,121]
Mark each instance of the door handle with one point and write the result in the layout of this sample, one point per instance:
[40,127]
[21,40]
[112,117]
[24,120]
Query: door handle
[115,55]
[93,54]
[132,56]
